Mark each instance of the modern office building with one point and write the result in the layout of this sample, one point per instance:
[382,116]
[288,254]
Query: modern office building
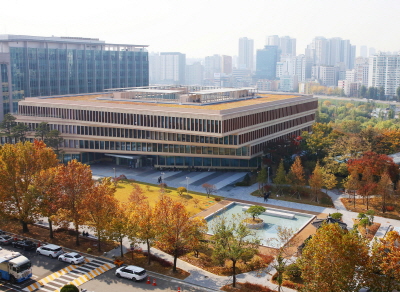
[34,66]
[384,71]
[181,127]
[266,62]
[246,52]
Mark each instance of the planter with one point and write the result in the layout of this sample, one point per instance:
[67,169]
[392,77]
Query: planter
[254,224]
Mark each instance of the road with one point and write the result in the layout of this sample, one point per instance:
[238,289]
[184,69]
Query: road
[54,274]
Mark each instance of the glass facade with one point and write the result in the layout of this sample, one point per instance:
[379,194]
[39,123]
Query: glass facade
[4,88]
[45,72]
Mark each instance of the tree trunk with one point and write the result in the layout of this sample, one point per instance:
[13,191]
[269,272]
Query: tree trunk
[77,243]
[51,228]
[367,202]
[120,245]
[148,251]
[25,228]
[175,259]
[234,273]
[98,241]
[354,195]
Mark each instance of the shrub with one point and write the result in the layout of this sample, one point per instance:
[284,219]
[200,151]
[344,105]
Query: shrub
[217,199]
[389,208]
[247,287]
[326,201]
[292,285]
[293,270]
[161,261]
[69,288]
[337,215]
[89,250]
[242,184]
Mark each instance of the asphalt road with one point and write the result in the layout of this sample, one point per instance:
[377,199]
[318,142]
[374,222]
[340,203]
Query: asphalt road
[43,266]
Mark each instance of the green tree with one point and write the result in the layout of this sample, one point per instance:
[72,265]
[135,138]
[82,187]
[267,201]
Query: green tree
[280,178]
[42,130]
[6,126]
[53,139]
[69,288]
[18,132]
[20,167]
[255,211]
[234,241]
[333,260]
[381,93]
[316,180]
[261,179]
[363,91]
[398,93]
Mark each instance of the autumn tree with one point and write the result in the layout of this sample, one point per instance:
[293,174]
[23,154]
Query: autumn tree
[333,260]
[20,166]
[280,178]
[383,266]
[330,180]
[316,181]
[296,176]
[120,225]
[181,190]
[146,224]
[101,206]
[351,183]
[368,185]
[234,241]
[137,195]
[385,189]
[176,229]
[49,199]
[209,188]
[74,183]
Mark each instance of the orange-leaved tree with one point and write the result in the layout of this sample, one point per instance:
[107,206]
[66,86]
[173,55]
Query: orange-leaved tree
[385,189]
[177,231]
[101,206]
[120,225]
[316,180]
[296,176]
[333,260]
[74,183]
[20,165]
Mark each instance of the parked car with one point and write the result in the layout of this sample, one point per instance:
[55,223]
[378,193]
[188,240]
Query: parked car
[72,258]
[51,250]
[5,239]
[24,244]
[133,273]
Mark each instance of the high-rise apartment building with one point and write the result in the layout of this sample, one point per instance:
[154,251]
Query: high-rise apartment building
[172,68]
[34,66]
[194,74]
[364,51]
[286,45]
[246,52]
[361,69]
[326,75]
[266,62]
[384,71]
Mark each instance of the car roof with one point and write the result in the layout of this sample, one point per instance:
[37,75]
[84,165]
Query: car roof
[52,246]
[134,268]
[72,253]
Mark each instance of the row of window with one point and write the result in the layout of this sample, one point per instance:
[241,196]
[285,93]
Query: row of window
[153,147]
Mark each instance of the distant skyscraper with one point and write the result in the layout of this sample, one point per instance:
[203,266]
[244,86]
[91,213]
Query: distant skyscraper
[194,74]
[266,62]
[154,68]
[286,45]
[371,52]
[363,51]
[361,68]
[172,68]
[246,52]
[273,40]
[226,65]
[212,65]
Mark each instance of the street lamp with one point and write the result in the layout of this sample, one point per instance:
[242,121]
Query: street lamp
[162,177]
[114,173]
[187,185]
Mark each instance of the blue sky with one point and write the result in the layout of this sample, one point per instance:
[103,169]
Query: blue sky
[203,27]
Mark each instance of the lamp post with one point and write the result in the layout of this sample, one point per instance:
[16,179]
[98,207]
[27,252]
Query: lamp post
[162,177]
[187,185]
[114,173]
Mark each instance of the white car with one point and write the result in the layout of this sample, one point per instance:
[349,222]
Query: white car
[51,250]
[72,258]
[133,273]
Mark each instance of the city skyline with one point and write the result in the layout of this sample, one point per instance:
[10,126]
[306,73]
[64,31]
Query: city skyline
[199,29]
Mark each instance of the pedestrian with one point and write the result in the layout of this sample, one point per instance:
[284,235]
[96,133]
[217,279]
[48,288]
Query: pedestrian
[265,197]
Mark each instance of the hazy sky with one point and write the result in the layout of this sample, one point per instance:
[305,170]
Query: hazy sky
[206,27]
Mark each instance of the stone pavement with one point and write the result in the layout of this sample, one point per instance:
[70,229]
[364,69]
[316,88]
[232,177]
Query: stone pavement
[226,189]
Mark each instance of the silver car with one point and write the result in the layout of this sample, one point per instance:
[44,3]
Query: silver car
[133,273]
[5,239]
[51,250]
[72,258]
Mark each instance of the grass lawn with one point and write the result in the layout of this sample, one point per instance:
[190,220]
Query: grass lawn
[306,197]
[194,202]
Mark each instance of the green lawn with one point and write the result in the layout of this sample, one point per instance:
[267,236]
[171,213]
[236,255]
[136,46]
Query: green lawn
[194,202]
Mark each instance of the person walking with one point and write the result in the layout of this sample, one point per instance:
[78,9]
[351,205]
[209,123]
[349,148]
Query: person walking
[265,197]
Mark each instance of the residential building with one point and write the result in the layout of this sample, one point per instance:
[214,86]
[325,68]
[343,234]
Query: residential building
[194,74]
[246,52]
[266,62]
[364,51]
[288,83]
[286,45]
[349,88]
[172,68]
[35,66]
[326,75]
[384,71]
[361,68]
[181,127]
[267,85]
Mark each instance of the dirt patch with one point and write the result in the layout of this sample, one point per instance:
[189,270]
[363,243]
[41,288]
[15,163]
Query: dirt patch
[246,287]
[372,229]
[374,204]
